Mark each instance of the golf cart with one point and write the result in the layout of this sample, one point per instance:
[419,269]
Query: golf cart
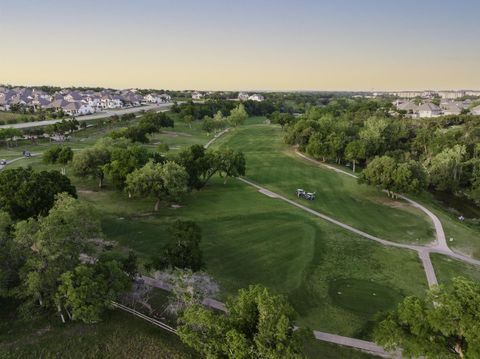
[309,196]
[26,153]
[300,193]
[3,162]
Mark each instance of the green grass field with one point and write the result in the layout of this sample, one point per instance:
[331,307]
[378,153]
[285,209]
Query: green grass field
[273,164]
[250,238]
[448,268]
[17,117]
[336,281]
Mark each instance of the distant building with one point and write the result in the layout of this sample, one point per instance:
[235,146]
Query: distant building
[451,95]
[197,95]
[256,97]
[451,107]
[428,110]
[476,111]
[243,96]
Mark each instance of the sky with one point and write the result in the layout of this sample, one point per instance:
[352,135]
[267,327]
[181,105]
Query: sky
[242,44]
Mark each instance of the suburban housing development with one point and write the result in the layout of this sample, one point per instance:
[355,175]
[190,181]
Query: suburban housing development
[75,102]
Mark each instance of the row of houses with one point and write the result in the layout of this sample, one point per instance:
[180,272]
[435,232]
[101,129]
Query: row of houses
[428,109]
[76,102]
[428,94]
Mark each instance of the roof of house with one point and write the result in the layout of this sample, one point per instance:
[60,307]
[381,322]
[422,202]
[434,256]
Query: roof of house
[428,106]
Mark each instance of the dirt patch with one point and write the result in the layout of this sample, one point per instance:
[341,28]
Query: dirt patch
[391,203]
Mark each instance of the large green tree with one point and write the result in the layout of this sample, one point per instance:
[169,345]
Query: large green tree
[52,245]
[26,193]
[167,181]
[393,177]
[90,162]
[183,249]
[258,324]
[238,116]
[88,290]
[124,161]
[445,324]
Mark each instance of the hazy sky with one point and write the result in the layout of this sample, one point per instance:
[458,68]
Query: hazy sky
[242,44]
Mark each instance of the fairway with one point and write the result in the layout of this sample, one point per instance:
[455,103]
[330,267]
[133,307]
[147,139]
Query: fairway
[251,238]
[273,164]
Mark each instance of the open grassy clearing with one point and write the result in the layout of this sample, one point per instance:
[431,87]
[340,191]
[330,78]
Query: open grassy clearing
[120,335]
[448,268]
[272,164]
[250,238]
[6,116]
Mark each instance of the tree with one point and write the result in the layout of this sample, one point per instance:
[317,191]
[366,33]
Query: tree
[188,119]
[208,125]
[58,154]
[25,193]
[52,245]
[386,173]
[88,290]
[166,181]
[443,325]
[196,162]
[445,168]
[10,257]
[152,122]
[90,162]
[201,164]
[124,161]
[355,151]
[231,163]
[183,249]
[259,324]
[238,116]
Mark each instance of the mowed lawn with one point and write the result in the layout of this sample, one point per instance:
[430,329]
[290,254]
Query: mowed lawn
[274,165]
[335,280]
[448,268]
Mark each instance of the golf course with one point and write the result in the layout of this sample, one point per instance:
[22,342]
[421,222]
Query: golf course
[337,281]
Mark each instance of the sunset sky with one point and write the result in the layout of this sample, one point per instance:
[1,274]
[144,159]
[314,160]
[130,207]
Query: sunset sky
[242,45]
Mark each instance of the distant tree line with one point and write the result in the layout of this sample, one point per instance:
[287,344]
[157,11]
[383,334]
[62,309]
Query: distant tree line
[398,154]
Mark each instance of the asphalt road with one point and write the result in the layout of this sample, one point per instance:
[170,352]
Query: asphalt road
[104,114]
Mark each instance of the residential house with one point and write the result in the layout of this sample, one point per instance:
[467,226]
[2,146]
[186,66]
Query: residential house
[256,97]
[476,111]
[451,107]
[429,110]
[78,108]
[197,95]
[243,96]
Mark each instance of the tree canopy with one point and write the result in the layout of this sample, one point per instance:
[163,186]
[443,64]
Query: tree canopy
[258,324]
[26,193]
[443,325]
[167,181]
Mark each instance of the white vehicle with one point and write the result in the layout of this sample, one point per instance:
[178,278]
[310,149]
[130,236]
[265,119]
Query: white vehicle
[3,162]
